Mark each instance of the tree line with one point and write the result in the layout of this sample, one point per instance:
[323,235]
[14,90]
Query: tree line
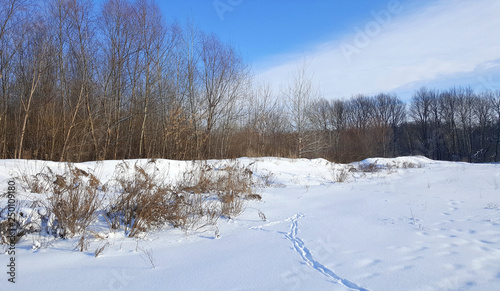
[455,124]
[80,81]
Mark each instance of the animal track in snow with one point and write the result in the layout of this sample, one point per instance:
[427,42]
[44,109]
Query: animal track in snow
[308,258]
[305,253]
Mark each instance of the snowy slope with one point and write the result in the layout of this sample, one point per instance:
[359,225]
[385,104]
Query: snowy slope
[392,224]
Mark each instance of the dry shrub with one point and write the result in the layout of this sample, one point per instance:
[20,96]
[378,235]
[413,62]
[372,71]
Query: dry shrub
[36,183]
[82,244]
[24,220]
[269,180]
[341,175]
[410,165]
[74,201]
[232,206]
[368,167]
[233,179]
[199,211]
[375,167]
[137,199]
[254,197]
[143,202]
[231,183]
[200,179]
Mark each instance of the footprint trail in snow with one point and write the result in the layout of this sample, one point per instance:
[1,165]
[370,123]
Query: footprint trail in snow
[306,255]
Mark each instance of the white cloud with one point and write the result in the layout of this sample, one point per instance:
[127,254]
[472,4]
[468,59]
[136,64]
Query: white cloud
[440,41]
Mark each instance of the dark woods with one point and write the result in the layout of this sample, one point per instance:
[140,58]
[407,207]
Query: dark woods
[456,125]
[116,81]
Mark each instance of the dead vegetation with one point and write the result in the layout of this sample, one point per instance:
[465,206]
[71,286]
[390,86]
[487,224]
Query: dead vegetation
[368,167]
[341,173]
[74,201]
[136,200]
[6,236]
[142,202]
[231,185]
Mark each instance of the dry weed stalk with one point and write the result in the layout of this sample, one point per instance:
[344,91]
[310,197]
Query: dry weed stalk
[74,201]
[142,201]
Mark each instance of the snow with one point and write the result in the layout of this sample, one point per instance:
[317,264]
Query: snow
[407,223]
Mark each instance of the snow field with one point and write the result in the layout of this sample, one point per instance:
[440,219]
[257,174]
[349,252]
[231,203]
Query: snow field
[394,224]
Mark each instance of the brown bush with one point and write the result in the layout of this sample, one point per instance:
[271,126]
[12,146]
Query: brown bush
[74,201]
[138,200]
[143,202]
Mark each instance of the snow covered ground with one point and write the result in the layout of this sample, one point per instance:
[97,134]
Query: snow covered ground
[392,224]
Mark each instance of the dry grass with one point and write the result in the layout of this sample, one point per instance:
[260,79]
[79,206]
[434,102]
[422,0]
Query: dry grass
[100,249]
[341,175]
[232,206]
[71,200]
[74,201]
[148,257]
[37,183]
[200,198]
[269,180]
[369,167]
[70,205]
[136,200]
[143,202]
[410,165]
[232,184]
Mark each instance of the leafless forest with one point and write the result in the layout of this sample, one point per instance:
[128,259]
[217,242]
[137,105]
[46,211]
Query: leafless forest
[82,81]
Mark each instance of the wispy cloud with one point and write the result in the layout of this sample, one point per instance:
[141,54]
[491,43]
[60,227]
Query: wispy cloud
[443,41]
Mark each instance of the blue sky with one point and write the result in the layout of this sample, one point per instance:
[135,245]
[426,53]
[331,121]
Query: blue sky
[358,46]
[262,28]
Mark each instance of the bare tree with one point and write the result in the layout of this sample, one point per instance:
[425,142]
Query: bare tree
[80,37]
[495,104]
[188,59]
[14,22]
[448,113]
[361,112]
[151,50]
[466,100]
[223,76]
[483,114]
[32,64]
[299,93]
[389,113]
[421,112]
[116,22]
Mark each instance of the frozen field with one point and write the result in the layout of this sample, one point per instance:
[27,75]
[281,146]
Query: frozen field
[382,224]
